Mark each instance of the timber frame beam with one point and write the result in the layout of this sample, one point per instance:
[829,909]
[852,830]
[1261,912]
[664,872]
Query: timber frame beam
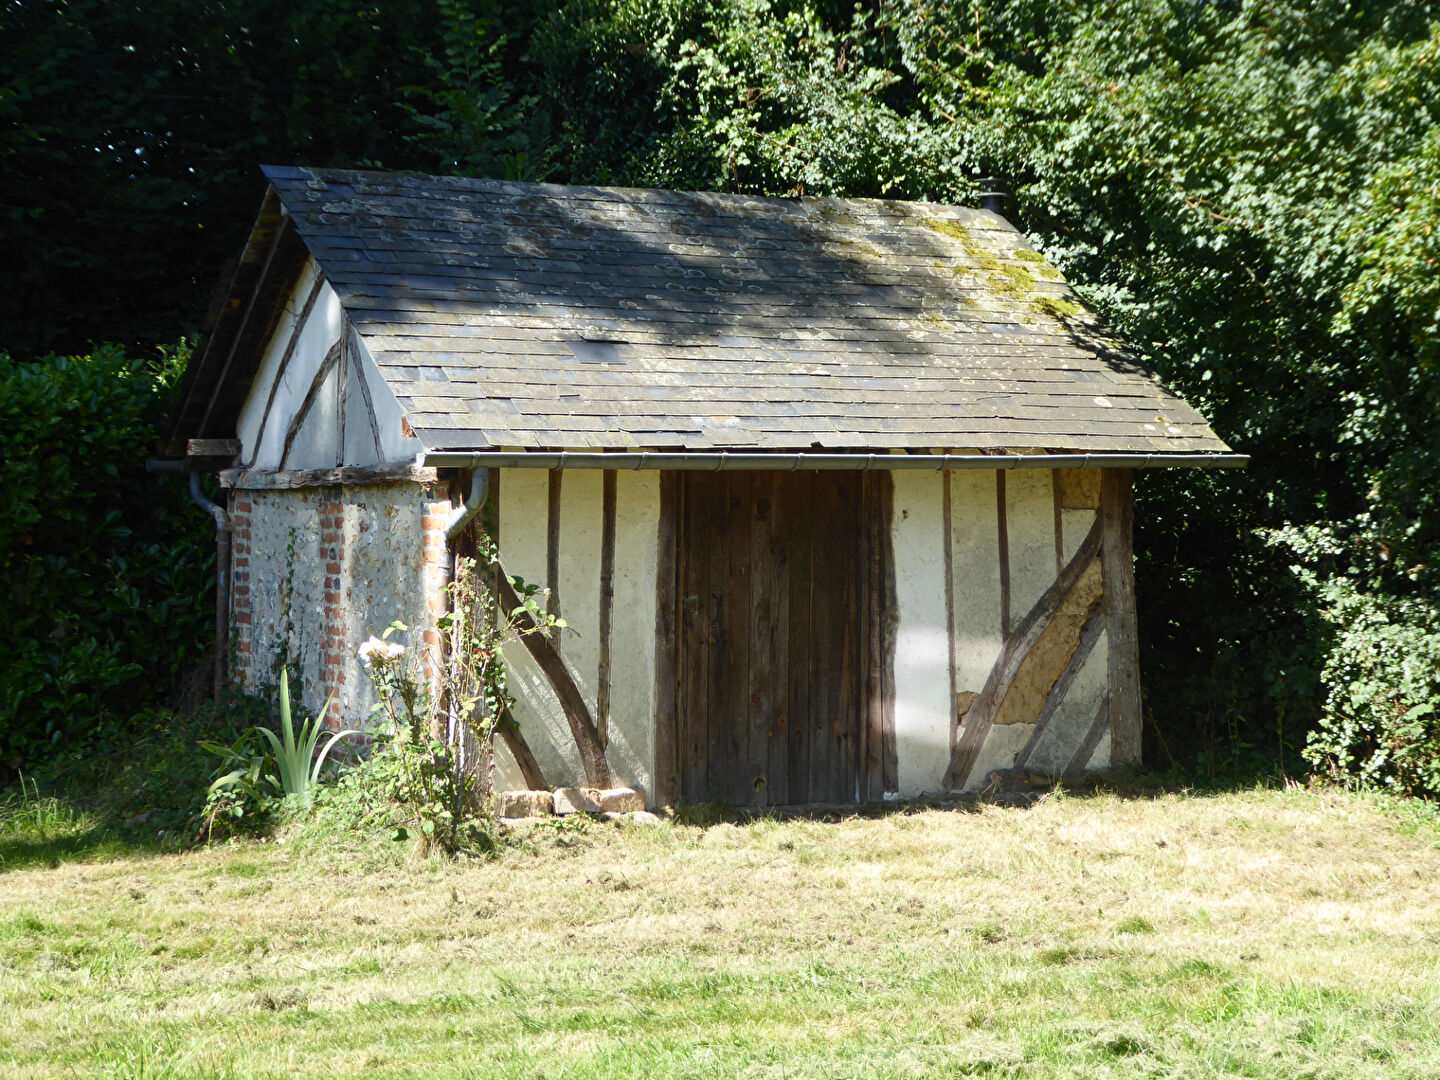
[349,475]
[1117,515]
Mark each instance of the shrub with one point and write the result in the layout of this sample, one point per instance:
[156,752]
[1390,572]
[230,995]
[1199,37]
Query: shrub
[107,569]
[434,759]
[1380,724]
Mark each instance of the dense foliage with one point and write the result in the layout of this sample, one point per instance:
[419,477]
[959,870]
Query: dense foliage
[106,572]
[1248,190]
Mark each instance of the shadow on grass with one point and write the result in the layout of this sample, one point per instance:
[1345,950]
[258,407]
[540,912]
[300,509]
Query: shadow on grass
[49,852]
[41,831]
[1009,788]
[136,790]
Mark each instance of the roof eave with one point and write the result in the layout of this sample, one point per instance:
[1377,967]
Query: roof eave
[724,460]
[239,321]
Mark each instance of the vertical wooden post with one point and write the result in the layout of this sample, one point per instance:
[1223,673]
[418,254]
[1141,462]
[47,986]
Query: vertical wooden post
[947,530]
[879,771]
[666,645]
[1002,523]
[607,602]
[492,522]
[342,389]
[552,551]
[1056,507]
[1117,512]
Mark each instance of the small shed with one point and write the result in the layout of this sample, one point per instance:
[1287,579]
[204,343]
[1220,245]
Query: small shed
[834,495]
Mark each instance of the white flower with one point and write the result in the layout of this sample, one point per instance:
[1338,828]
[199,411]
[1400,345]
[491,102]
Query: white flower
[375,651]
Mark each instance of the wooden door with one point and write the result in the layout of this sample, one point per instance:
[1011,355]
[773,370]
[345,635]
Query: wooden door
[771,691]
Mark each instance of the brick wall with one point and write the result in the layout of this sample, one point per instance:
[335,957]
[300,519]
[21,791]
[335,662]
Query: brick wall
[241,617]
[334,640]
[436,577]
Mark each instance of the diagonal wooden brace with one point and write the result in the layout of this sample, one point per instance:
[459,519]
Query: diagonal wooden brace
[572,702]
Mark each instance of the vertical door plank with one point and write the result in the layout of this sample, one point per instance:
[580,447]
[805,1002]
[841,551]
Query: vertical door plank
[762,636]
[834,610]
[800,726]
[729,670]
[710,511]
[847,723]
[695,632]
[782,525]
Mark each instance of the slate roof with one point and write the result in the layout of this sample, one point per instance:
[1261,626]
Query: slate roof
[540,316]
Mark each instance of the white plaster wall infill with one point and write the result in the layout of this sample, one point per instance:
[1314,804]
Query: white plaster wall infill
[317,442]
[262,449]
[524,495]
[1066,731]
[1075,525]
[395,445]
[922,655]
[1101,758]
[1002,746]
[524,498]
[975,541]
[287,590]
[383,579]
[579,584]
[359,445]
[631,752]
[1091,686]
[247,426]
[1030,518]
[1030,515]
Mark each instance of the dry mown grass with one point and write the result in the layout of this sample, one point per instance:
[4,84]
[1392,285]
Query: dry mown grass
[1261,934]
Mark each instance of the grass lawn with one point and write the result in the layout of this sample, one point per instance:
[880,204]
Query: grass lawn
[1257,934]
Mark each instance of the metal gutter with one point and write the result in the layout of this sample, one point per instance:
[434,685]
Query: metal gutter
[721,461]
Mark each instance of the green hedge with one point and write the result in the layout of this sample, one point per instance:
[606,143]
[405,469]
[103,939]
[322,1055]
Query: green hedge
[108,571]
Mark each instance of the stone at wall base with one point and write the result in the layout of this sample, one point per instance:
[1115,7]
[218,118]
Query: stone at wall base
[622,800]
[575,800]
[521,804]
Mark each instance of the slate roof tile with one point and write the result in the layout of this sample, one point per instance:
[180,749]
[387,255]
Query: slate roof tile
[535,315]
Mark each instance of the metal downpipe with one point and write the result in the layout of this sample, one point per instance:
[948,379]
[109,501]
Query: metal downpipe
[222,579]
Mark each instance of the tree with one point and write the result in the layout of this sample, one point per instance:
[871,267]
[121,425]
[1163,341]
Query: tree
[131,135]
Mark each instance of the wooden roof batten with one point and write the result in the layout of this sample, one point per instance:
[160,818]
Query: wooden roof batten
[541,320]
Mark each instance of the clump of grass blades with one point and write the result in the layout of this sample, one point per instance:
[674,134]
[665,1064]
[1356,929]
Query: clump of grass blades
[42,830]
